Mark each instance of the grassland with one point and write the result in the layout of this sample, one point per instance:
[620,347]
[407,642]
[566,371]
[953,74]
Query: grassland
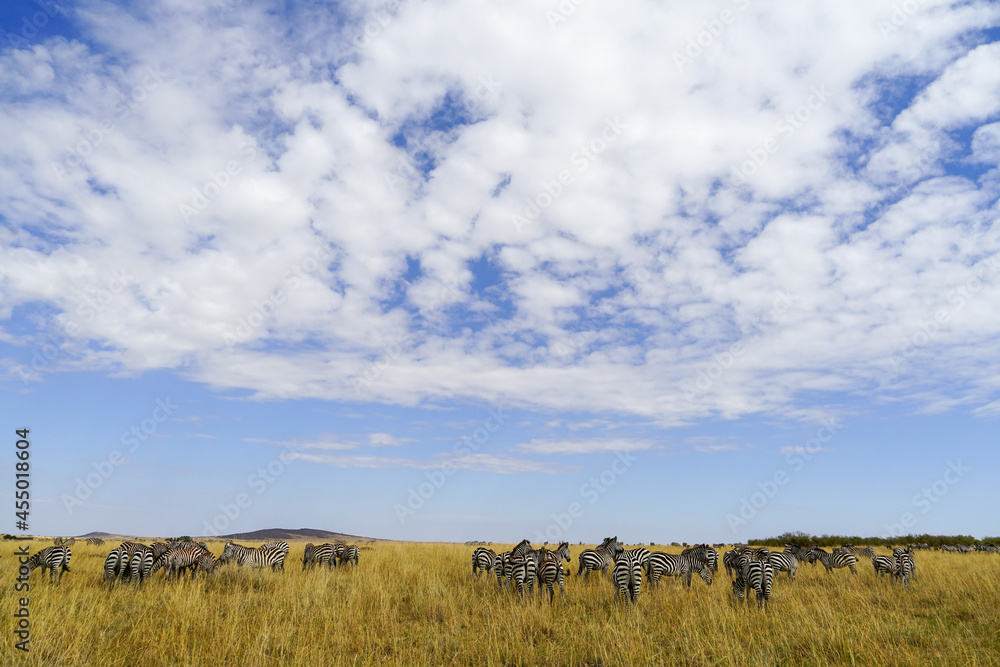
[416,604]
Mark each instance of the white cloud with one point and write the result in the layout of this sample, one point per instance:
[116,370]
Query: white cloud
[592,446]
[614,299]
[473,462]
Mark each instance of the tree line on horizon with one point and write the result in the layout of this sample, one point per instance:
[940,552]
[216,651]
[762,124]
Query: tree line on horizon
[800,539]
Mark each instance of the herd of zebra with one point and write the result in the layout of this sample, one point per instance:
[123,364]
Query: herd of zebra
[137,562]
[751,569]
[526,566]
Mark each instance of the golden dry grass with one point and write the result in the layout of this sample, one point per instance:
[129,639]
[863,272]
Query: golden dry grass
[415,604]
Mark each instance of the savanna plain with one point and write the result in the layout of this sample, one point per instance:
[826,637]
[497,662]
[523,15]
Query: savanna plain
[418,604]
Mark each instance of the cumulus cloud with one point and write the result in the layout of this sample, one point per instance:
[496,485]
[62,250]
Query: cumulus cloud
[462,203]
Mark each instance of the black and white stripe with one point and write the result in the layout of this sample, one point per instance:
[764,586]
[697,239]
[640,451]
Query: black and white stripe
[350,554]
[672,565]
[113,565]
[836,560]
[483,560]
[249,557]
[906,567]
[757,575]
[705,553]
[600,558]
[53,559]
[627,575]
[784,563]
[550,572]
[884,565]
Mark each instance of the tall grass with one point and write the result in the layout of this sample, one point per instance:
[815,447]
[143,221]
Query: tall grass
[412,604]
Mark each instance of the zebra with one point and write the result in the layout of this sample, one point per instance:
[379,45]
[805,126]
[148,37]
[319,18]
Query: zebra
[729,560]
[836,560]
[349,555]
[501,568]
[140,565]
[558,555]
[860,552]
[884,565]
[521,570]
[483,560]
[113,565]
[627,575]
[206,563]
[705,553]
[96,541]
[522,549]
[784,563]
[947,547]
[280,544]
[672,565]
[249,557]
[905,565]
[551,571]
[641,554]
[53,559]
[309,556]
[758,575]
[600,558]
[813,554]
[326,553]
[175,561]
[900,552]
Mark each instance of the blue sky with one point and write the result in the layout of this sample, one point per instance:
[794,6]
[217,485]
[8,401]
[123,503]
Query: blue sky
[493,270]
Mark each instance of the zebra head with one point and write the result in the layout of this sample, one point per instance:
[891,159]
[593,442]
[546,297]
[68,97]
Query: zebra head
[228,553]
[563,551]
[704,572]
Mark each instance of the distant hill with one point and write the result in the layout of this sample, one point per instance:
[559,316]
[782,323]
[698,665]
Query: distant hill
[292,534]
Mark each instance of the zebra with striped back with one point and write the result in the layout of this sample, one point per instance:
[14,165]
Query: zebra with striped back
[550,572]
[500,569]
[757,575]
[884,565]
[53,559]
[280,544]
[140,565]
[684,565]
[522,571]
[542,557]
[249,557]
[641,554]
[627,575]
[350,554]
[128,550]
[326,554]
[483,560]
[705,553]
[113,565]
[837,559]
[784,563]
[906,567]
[600,558]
